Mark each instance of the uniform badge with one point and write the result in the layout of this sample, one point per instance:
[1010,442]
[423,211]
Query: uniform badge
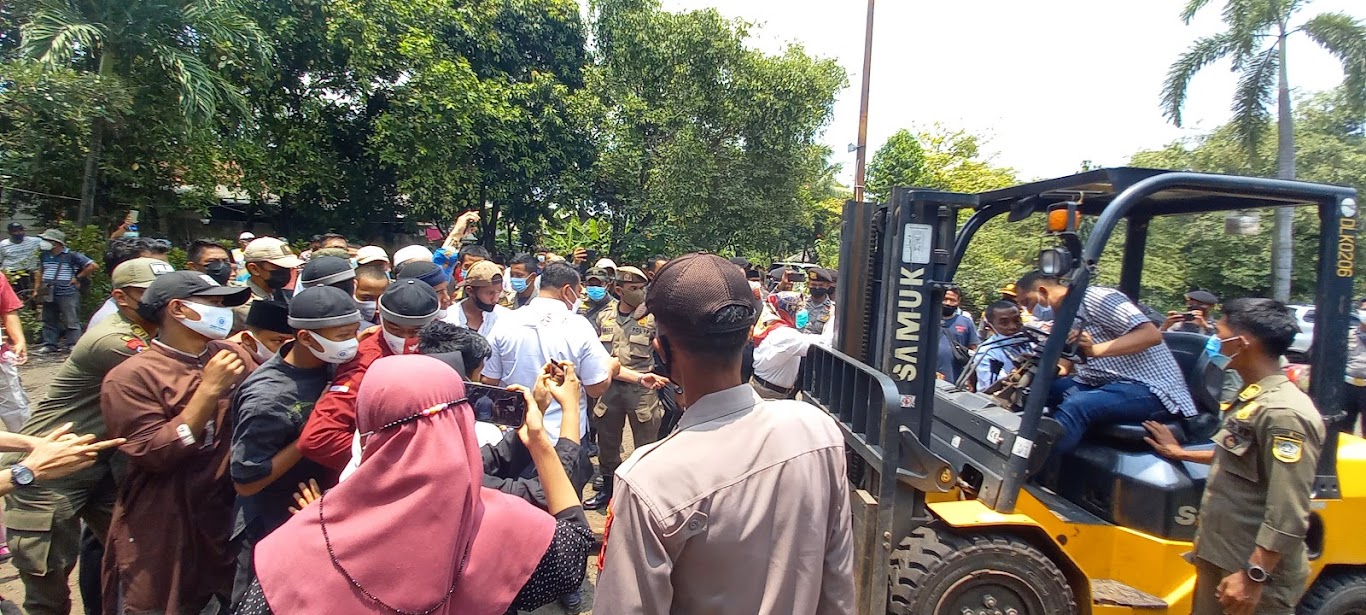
[1250,392]
[1287,449]
[1246,411]
[134,344]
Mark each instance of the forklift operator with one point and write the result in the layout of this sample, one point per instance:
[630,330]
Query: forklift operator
[1250,554]
[1129,376]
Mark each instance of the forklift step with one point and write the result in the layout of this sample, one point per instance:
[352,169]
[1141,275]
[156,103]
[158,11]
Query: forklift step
[1109,592]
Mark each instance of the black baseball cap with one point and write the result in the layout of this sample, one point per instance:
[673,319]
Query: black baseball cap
[320,307]
[689,293]
[741,262]
[409,303]
[186,284]
[15,226]
[1202,296]
[269,316]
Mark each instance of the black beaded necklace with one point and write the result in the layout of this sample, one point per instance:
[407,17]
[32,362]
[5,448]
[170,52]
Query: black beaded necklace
[464,559]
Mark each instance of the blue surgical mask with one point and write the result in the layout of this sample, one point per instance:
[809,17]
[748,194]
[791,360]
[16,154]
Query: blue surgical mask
[803,319]
[596,293]
[1214,348]
[518,284]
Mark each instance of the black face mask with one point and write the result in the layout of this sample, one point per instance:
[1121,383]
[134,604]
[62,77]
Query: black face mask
[219,271]
[483,307]
[16,238]
[820,293]
[148,312]
[278,279]
[949,310]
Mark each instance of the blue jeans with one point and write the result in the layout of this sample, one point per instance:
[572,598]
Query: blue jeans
[1078,406]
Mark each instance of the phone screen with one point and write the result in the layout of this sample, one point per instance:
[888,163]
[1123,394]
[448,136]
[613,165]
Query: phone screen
[496,404]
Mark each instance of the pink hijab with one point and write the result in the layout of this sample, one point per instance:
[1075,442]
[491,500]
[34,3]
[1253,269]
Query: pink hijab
[411,516]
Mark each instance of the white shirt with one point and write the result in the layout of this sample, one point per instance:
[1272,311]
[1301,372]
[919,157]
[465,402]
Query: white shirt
[525,339]
[777,359]
[456,316]
[106,308]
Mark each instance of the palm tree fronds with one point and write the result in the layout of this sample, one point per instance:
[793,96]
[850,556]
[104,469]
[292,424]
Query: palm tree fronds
[1192,7]
[221,24]
[1345,38]
[56,31]
[1201,54]
[202,90]
[1252,101]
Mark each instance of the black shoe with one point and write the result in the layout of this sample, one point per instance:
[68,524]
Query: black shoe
[597,483]
[572,603]
[599,501]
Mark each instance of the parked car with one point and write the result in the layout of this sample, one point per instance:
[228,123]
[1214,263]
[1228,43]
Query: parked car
[1304,314]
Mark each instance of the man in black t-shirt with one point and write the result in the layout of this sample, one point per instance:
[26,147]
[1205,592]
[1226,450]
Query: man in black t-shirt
[269,411]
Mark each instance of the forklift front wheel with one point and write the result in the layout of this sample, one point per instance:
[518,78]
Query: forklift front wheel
[937,572]
[1341,593]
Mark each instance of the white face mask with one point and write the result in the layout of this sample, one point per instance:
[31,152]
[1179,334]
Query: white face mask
[333,352]
[215,322]
[396,343]
[367,309]
[259,350]
[441,314]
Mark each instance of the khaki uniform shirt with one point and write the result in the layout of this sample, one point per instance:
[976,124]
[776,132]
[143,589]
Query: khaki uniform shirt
[627,337]
[819,315]
[1259,484]
[744,509]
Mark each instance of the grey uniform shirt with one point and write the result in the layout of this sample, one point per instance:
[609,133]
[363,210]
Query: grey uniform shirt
[744,509]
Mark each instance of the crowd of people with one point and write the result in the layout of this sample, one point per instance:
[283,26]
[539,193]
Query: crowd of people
[272,432]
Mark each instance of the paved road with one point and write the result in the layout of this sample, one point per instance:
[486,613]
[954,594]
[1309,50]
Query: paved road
[35,376]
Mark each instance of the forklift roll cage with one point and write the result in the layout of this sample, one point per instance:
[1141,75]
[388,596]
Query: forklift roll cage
[879,381]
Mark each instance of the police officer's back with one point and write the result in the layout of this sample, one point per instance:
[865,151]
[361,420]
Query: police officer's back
[1249,547]
[744,509]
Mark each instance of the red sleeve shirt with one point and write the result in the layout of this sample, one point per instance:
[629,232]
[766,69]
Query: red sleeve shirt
[326,437]
[9,301]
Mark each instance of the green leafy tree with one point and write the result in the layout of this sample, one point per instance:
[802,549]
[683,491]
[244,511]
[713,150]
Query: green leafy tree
[189,43]
[1256,40]
[899,162]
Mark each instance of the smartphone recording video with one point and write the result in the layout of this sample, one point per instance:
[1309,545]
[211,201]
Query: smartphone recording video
[496,405]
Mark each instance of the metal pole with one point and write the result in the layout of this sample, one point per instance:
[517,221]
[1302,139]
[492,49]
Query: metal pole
[863,108]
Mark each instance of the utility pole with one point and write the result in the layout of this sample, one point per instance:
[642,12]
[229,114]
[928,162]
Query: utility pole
[862,146]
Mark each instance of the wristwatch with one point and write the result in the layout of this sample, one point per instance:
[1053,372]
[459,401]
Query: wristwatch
[20,475]
[1257,574]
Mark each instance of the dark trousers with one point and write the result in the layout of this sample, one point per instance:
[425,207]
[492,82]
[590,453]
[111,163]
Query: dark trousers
[62,320]
[88,571]
[1355,408]
[1078,406]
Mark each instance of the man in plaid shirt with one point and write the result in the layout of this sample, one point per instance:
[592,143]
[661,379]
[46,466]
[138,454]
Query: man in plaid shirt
[1129,376]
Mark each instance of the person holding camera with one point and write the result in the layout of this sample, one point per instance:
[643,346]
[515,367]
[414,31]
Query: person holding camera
[419,485]
[1196,318]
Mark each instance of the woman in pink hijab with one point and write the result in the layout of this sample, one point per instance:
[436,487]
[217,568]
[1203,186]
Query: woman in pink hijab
[413,531]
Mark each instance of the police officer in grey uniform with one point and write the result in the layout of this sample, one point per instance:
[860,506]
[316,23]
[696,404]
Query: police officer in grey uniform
[820,285]
[1250,555]
[744,508]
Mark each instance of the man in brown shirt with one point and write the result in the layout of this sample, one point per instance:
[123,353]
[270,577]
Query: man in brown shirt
[744,509]
[168,550]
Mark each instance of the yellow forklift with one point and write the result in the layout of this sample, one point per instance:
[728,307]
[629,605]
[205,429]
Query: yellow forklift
[951,513]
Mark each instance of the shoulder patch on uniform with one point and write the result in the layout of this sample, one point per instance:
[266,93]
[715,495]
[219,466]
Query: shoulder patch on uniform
[340,388]
[1247,411]
[1250,392]
[1287,449]
[133,343]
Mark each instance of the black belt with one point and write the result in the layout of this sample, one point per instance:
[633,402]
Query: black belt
[775,388]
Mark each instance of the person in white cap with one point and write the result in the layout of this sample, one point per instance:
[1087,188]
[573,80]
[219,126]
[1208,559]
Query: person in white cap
[609,265]
[270,267]
[239,253]
[411,253]
[373,254]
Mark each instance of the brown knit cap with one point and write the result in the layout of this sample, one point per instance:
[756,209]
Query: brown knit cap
[690,291]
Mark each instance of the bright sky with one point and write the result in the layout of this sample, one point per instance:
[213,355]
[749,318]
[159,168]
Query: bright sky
[1052,83]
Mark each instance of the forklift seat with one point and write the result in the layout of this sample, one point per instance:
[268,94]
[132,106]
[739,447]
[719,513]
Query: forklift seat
[1205,383]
